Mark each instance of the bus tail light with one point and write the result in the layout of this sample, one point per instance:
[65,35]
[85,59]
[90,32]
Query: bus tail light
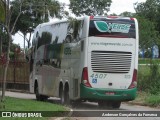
[134,80]
[112,17]
[85,79]
[91,17]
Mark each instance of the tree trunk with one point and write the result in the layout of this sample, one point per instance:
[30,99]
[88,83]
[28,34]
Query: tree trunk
[1,103]
[0,45]
[6,68]
[9,32]
[24,45]
[29,39]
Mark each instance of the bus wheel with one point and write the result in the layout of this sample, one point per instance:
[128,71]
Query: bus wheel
[102,104]
[44,98]
[116,104]
[38,97]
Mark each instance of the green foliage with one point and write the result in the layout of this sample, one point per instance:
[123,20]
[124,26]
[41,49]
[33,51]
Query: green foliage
[143,78]
[11,56]
[34,12]
[148,36]
[89,7]
[113,14]
[127,14]
[148,61]
[4,38]
[149,26]
[15,104]
[150,10]
[148,78]
[2,11]
[12,51]
[148,99]
[153,100]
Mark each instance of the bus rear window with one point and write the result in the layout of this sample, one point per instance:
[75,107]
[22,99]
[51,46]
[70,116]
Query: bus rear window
[117,28]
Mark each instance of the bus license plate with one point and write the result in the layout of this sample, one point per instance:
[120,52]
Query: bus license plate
[110,93]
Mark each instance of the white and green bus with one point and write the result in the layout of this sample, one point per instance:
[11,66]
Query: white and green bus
[86,59]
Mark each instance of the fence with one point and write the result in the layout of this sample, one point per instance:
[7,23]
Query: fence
[17,75]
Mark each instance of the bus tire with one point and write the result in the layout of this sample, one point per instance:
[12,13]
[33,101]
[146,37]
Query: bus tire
[116,104]
[44,97]
[102,104]
[38,96]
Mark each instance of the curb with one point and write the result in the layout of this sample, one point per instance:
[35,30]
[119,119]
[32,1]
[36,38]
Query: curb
[20,91]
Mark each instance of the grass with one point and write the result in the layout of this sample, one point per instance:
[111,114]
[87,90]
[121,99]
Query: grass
[148,83]
[147,60]
[15,104]
[141,96]
[144,98]
[145,69]
[153,100]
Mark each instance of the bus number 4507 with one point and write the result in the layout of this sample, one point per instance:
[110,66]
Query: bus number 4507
[99,76]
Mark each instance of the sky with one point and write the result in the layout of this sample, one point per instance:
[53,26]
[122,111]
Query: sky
[117,7]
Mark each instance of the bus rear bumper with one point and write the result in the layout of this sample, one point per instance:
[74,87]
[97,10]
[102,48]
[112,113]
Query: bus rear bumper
[96,94]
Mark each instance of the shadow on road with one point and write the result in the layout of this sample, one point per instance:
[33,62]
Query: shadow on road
[87,106]
[91,106]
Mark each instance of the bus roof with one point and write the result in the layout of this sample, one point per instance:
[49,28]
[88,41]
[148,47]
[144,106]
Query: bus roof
[80,18]
[110,17]
[58,21]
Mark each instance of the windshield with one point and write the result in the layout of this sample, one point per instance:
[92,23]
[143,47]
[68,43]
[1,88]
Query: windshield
[118,28]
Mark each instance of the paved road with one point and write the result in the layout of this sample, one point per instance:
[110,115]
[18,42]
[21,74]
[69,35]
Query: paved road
[93,109]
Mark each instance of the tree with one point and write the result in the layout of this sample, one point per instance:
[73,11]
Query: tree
[34,12]
[2,20]
[89,7]
[148,36]
[112,14]
[9,30]
[148,15]
[2,9]
[127,14]
[150,10]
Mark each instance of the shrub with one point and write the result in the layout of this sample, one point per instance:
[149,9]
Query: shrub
[153,100]
[149,81]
